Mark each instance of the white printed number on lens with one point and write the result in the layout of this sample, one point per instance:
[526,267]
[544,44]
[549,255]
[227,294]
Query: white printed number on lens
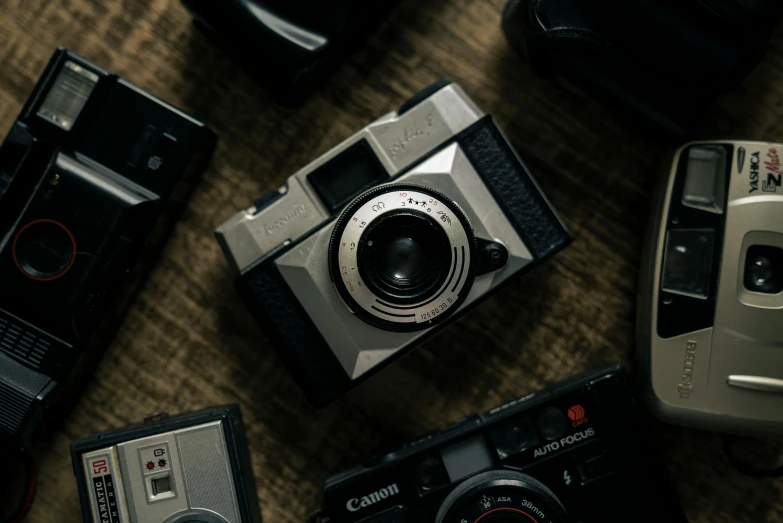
[448,293]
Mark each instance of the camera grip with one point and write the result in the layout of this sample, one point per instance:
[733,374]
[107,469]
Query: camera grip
[512,185]
[293,335]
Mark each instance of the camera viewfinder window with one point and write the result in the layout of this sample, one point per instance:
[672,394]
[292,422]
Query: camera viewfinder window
[345,176]
[687,262]
[68,95]
[705,180]
[466,458]
[161,485]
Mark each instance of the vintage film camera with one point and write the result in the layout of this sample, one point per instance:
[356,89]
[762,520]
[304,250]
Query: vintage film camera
[290,47]
[710,299]
[92,176]
[193,468]
[346,271]
[662,61]
[577,451]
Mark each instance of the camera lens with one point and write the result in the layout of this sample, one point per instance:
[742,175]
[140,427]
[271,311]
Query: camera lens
[764,269]
[402,257]
[44,249]
[501,496]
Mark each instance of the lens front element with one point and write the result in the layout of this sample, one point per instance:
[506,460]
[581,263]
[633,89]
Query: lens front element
[764,269]
[44,250]
[501,496]
[402,257]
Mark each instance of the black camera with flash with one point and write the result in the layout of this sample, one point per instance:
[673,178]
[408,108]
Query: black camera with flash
[92,175]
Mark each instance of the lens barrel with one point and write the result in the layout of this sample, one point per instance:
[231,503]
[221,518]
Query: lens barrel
[402,257]
[501,496]
[764,269]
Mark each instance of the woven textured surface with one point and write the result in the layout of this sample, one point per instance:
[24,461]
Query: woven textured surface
[187,342]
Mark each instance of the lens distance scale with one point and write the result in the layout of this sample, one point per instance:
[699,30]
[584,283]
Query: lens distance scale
[350,239]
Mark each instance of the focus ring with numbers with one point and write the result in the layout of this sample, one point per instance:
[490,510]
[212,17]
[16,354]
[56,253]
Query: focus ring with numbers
[402,257]
[501,496]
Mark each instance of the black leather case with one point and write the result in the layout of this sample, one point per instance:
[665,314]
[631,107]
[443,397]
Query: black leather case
[662,60]
[296,338]
[289,47]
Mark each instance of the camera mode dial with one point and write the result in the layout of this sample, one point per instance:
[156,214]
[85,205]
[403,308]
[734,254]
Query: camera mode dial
[402,257]
[501,496]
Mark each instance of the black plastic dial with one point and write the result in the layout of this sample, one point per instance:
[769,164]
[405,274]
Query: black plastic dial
[502,496]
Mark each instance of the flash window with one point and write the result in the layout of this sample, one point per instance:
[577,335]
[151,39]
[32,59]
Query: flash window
[68,95]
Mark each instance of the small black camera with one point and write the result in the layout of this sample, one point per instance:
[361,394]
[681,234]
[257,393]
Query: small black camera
[192,468]
[92,176]
[577,451]
[289,47]
[663,61]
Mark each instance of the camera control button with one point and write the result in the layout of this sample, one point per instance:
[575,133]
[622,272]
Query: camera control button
[515,437]
[552,423]
[594,468]
[266,200]
[431,474]
[422,95]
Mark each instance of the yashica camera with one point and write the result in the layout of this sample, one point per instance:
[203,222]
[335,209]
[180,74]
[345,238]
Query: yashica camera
[662,61]
[577,451]
[383,240]
[92,176]
[290,47]
[711,293]
[193,468]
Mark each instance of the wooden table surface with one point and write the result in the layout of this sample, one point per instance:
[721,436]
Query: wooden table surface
[187,343]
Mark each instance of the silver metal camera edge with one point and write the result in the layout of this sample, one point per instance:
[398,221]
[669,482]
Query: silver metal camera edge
[196,478]
[358,346]
[724,377]
[397,141]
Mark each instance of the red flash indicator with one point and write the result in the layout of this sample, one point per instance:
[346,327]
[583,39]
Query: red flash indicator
[150,465]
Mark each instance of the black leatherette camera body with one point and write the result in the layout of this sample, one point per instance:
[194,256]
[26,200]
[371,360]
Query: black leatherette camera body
[585,439]
[289,47]
[662,61]
[93,174]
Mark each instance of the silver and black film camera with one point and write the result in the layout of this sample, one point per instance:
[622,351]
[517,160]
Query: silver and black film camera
[384,239]
[711,299]
[578,451]
[93,174]
[192,468]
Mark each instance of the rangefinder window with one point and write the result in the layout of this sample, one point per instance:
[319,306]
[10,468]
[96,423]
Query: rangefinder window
[347,175]
[687,262]
[68,95]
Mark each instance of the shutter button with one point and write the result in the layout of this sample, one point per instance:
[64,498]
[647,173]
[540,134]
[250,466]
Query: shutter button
[552,423]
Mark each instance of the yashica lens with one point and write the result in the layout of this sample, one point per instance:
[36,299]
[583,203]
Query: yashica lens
[402,257]
[764,269]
